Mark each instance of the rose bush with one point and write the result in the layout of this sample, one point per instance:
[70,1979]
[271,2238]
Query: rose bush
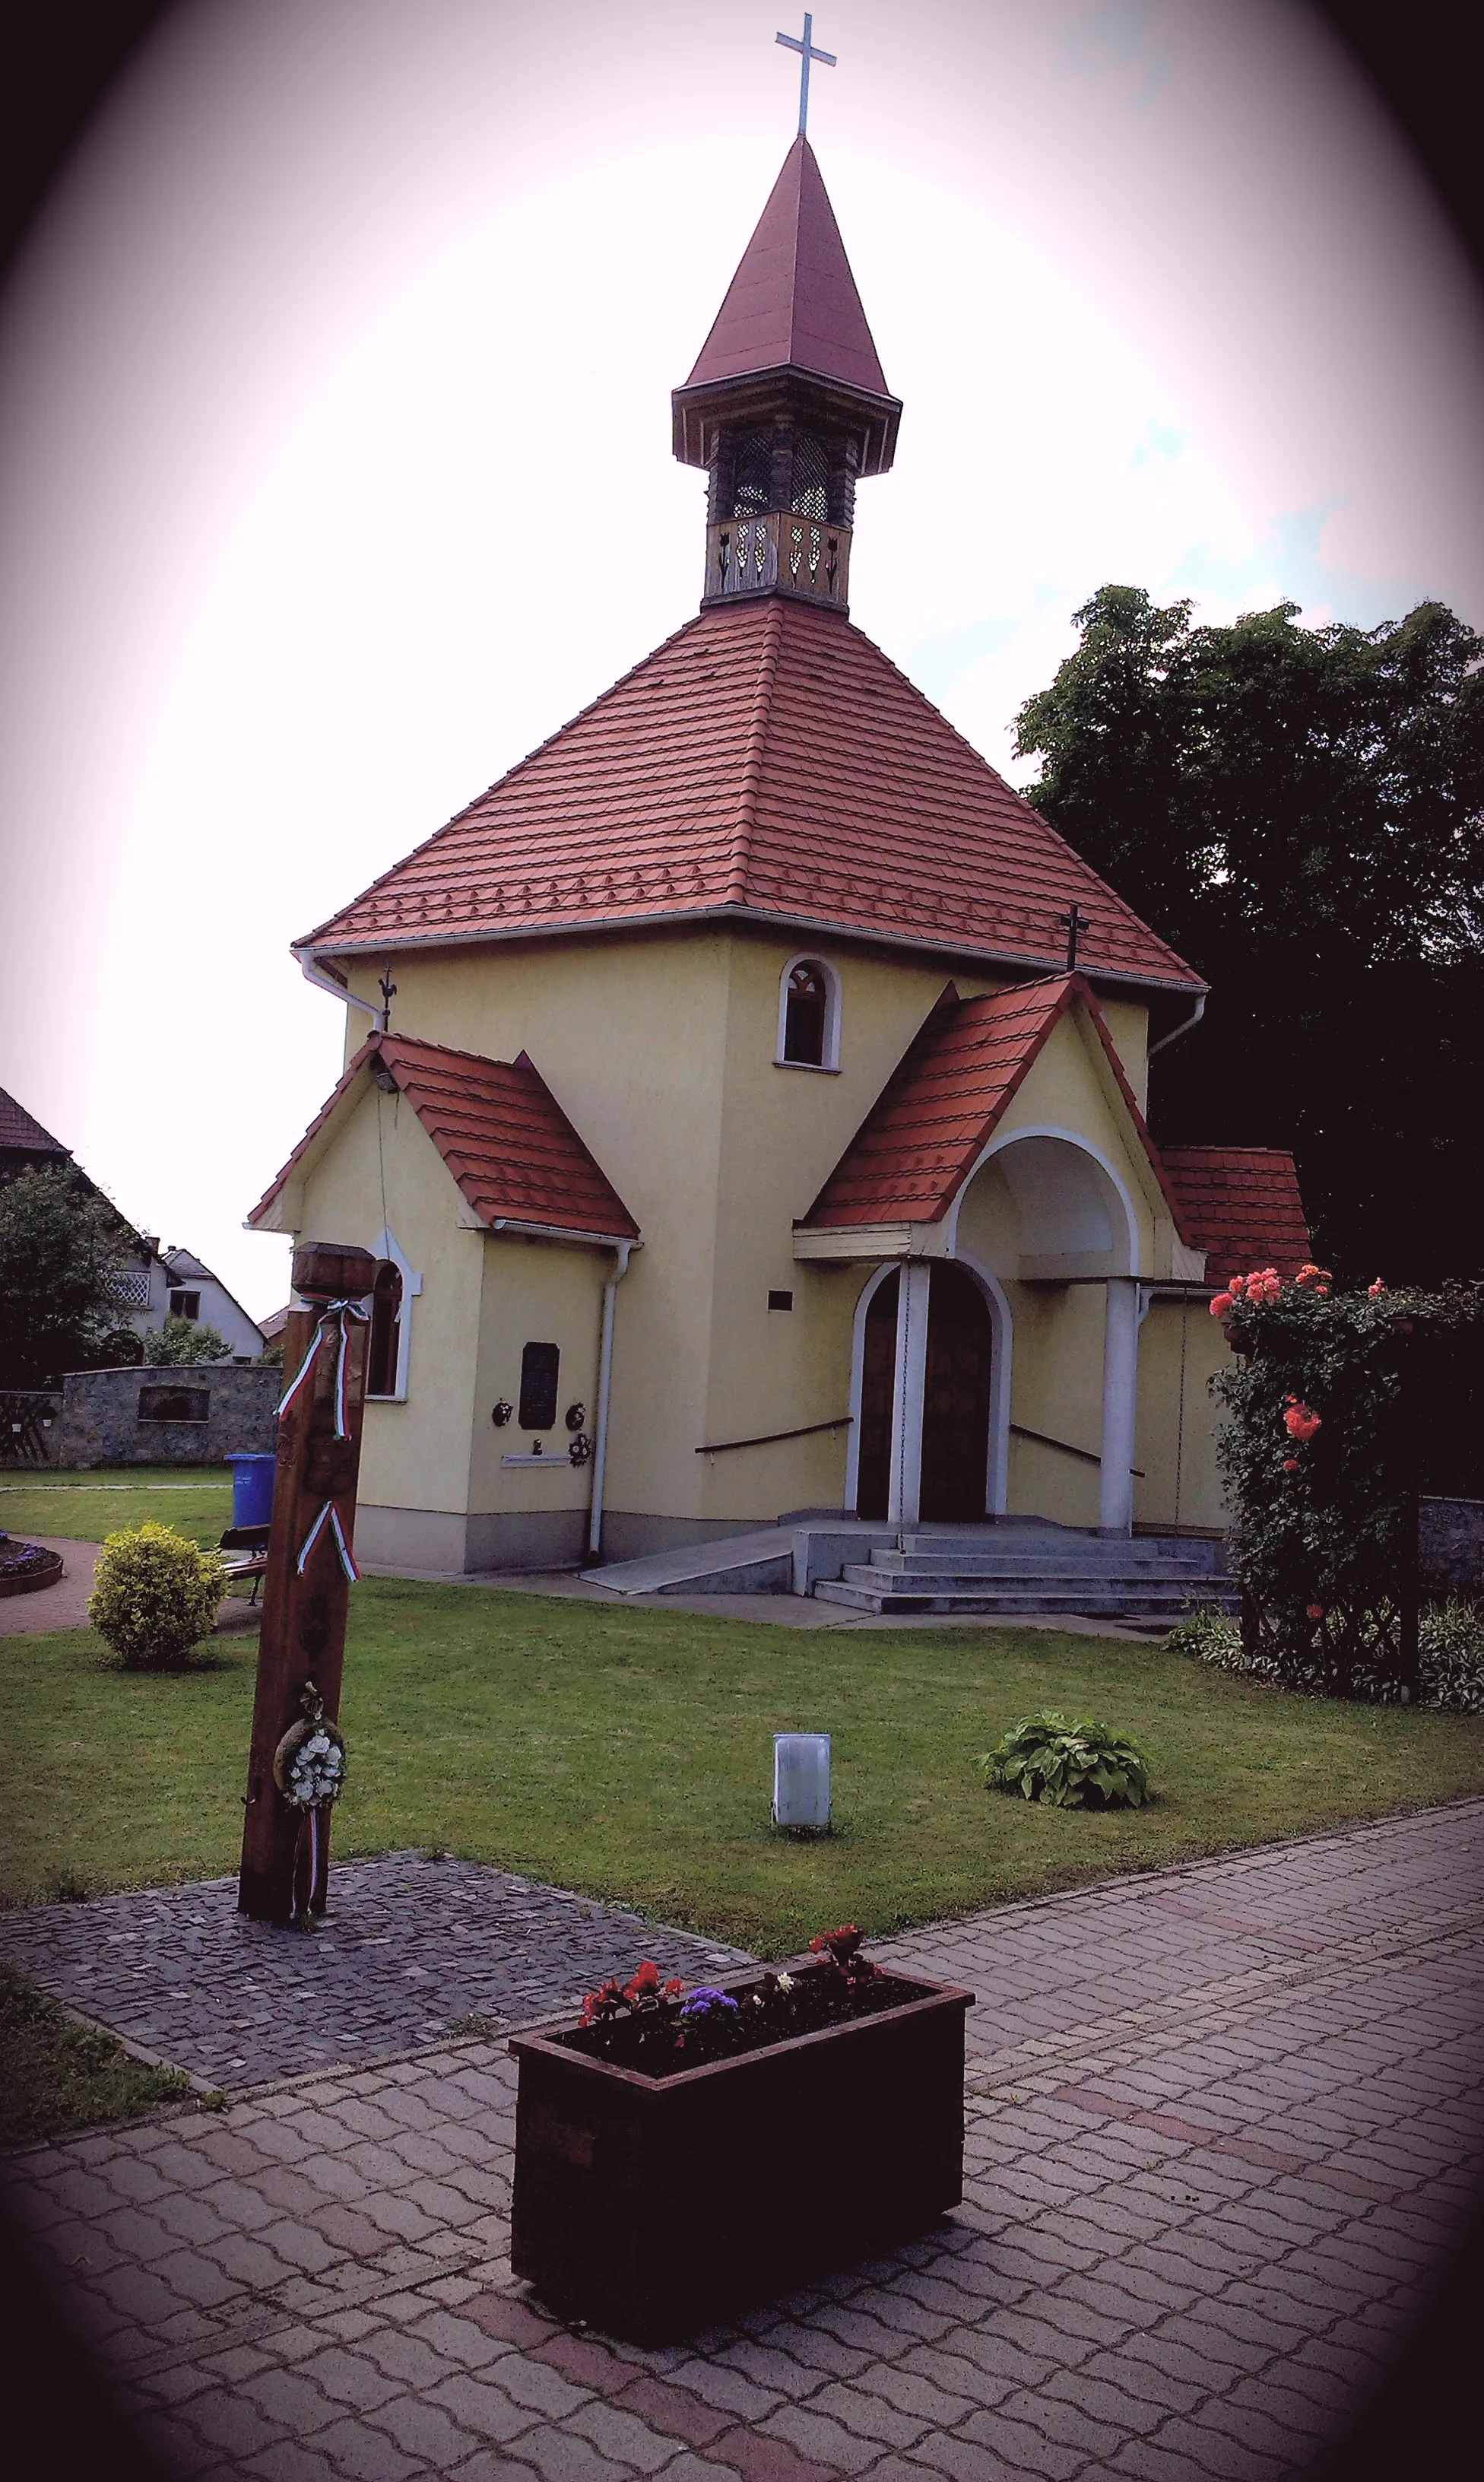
[1341,1405]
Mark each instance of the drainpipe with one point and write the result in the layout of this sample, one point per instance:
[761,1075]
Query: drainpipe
[1173,1036]
[338,990]
[623,1254]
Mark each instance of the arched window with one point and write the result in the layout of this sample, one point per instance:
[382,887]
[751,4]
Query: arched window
[809,1015]
[385,1353]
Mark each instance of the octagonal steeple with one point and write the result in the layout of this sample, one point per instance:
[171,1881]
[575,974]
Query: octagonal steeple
[788,406]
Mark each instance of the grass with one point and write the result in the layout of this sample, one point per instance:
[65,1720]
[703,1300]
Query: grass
[56,2075]
[628,1753]
[83,1507]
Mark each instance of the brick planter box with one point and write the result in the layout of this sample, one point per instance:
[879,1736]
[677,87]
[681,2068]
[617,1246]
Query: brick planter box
[651,2207]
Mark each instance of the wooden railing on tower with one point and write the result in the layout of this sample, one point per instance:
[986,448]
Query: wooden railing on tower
[802,556]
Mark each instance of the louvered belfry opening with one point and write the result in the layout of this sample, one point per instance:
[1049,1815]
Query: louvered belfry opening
[786,407]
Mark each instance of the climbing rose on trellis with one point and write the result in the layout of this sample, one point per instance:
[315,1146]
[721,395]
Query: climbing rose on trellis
[1334,1399]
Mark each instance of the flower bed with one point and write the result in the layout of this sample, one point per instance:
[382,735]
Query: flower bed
[681,2155]
[25,1567]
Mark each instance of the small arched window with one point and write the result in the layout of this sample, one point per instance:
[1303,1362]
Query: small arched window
[384,1356]
[809,1015]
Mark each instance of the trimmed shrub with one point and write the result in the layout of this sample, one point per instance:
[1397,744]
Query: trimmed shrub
[155,1596]
[1073,1764]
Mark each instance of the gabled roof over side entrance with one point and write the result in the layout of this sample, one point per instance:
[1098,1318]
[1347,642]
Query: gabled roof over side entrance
[1242,1206]
[922,1136]
[767,763]
[504,1138]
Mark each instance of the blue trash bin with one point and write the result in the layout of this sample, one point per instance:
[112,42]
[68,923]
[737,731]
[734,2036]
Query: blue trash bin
[252,1489]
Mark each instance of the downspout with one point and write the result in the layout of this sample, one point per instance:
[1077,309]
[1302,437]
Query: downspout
[1173,1036]
[623,1251]
[338,990]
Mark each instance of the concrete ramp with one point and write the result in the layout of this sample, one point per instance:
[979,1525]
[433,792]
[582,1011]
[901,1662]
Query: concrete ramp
[784,1559]
[738,1563]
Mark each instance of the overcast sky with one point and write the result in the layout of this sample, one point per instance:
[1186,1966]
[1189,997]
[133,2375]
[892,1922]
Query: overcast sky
[335,434]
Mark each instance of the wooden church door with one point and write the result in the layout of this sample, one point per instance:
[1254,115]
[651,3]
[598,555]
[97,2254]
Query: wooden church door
[878,1389]
[955,1400]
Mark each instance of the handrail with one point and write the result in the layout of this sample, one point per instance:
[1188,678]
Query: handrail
[1044,1437]
[767,1439]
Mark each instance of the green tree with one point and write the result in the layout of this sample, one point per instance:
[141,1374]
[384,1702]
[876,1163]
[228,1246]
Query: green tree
[1300,812]
[60,1244]
[179,1339]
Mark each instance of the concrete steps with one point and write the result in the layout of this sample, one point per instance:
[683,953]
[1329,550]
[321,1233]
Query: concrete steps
[1034,1573]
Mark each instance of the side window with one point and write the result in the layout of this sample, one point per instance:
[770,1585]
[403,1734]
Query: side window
[385,1331]
[539,1365]
[809,1015]
[185,1305]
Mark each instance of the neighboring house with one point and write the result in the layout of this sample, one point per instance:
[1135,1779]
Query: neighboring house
[195,1294]
[766,1106]
[142,1283]
[152,1284]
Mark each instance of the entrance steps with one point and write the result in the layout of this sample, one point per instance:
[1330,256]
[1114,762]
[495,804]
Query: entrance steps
[1009,1567]
[1034,1571]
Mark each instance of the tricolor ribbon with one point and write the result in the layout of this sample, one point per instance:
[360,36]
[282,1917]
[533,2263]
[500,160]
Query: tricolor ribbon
[336,1314]
[334,1320]
[329,1514]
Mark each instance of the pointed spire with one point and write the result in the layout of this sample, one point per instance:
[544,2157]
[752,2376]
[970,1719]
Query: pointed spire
[793,299]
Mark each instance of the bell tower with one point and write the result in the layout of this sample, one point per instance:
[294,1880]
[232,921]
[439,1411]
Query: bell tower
[786,408]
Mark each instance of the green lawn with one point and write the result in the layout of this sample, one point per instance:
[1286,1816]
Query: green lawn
[628,1753]
[83,1507]
[58,2074]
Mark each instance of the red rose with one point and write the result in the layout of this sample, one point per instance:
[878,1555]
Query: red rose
[1316,1611]
[1223,1306]
[1291,1465]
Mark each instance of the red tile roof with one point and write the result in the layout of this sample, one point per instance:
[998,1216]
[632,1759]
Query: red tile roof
[1242,1206]
[19,1130]
[793,298]
[939,1109]
[502,1133]
[770,759]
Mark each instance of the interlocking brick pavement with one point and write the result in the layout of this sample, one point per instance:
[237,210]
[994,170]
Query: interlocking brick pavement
[411,1947]
[1223,2125]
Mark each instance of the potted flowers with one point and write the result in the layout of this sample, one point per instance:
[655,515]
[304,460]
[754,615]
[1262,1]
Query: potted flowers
[679,2154]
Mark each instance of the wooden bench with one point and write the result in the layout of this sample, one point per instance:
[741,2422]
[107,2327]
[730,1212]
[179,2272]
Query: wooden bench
[251,1543]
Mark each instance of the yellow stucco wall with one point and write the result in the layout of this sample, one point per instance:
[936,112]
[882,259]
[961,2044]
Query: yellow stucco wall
[413,1454]
[1181,1348]
[661,1046]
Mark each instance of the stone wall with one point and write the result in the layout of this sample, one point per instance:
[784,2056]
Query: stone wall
[189,1413]
[1451,1545]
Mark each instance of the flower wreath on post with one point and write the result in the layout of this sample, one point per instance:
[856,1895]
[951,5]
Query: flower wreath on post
[309,1770]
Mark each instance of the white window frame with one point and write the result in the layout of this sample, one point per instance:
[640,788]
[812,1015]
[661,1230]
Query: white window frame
[387,1246]
[829,1066]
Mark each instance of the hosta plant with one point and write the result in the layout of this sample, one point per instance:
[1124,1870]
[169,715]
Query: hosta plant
[1072,1762]
[154,1594]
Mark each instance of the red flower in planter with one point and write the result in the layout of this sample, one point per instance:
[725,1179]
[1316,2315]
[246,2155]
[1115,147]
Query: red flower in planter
[1291,1465]
[1376,1289]
[1223,1306]
[840,1951]
[1316,1611]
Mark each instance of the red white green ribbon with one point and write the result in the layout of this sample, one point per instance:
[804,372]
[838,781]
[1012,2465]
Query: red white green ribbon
[334,1322]
[335,1318]
[330,1514]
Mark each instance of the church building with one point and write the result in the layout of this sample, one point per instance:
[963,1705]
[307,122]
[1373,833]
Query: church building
[761,1125]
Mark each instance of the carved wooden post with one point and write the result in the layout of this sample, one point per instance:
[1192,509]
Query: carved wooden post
[304,1607]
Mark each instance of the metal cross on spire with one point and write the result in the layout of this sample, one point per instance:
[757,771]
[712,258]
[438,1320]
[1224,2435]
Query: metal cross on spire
[1074,923]
[807,53]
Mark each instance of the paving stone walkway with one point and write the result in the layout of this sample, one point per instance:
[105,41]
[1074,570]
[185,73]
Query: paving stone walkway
[412,1948]
[1223,2123]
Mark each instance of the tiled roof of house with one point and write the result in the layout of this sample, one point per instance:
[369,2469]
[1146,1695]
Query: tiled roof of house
[939,1109]
[793,298]
[501,1131]
[766,758]
[1242,1206]
[19,1130]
